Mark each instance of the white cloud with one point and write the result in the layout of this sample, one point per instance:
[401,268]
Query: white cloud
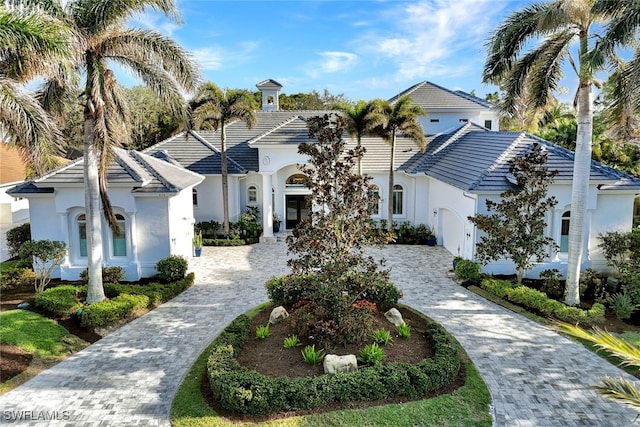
[332,62]
[434,37]
[154,21]
[208,58]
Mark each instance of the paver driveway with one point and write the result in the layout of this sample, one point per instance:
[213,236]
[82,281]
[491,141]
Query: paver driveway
[536,377]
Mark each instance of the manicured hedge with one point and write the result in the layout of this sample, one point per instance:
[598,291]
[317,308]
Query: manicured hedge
[106,312]
[291,288]
[123,300]
[156,292]
[61,300]
[245,391]
[539,301]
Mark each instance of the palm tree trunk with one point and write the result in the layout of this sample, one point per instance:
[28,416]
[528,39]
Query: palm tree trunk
[580,188]
[225,180]
[390,198]
[95,290]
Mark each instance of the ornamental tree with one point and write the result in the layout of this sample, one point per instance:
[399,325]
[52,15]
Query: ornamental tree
[514,228]
[46,256]
[329,246]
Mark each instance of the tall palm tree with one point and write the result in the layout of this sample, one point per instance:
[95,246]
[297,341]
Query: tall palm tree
[357,122]
[30,46]
[560,24]
[388,120]
[215,108]
[623,103]
[102,38]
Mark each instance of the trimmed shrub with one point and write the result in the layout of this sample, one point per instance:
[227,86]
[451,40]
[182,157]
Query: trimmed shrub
[244,391]
[501,288]
[13,278]
[113,274]
[156,292]
[172,268]
[106,312]
[539,301]
[467,270]
[16,237]
[61,300]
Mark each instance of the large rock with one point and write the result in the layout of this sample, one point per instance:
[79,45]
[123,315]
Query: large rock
[334,364]
[278,314]
[394,317]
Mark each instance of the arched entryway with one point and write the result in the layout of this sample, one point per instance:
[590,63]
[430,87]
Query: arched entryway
[297,207]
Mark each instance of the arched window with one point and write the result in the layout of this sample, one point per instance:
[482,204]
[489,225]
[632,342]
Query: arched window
[252,194]
[119,240]
[397,199]
[564,232]
[82,234]
[194,195]
[297,181]
[374,200]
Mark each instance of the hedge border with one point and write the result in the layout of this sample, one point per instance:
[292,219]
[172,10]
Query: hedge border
[536,300]
[244,391]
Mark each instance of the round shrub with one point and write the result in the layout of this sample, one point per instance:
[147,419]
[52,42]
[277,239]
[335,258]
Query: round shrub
[16,237]
[467,270]
[172,268]
[61,300]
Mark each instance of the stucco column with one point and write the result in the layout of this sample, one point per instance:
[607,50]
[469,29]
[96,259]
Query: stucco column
[556,231]
[267,206]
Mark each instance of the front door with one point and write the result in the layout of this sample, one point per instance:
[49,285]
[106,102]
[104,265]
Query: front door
[297,210]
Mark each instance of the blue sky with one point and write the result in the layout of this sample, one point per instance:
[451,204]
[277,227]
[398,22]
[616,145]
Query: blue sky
[362,49]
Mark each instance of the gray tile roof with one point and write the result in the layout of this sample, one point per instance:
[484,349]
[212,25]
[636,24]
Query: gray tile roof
[477,161]
[430,96]
[143,173]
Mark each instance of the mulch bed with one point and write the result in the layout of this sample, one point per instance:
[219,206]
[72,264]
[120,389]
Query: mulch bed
[13,361]
[270,358]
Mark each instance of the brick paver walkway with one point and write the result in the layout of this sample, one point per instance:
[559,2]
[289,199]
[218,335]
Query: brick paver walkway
[536,377]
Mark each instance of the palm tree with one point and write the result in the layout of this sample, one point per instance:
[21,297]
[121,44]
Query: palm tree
[216,108]
[101,39]
[357,122]
[388,120]
[614,388]
[30,45]
[560,23]
[622,103]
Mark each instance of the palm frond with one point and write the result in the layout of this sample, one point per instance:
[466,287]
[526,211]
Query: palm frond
[620,389]
[628,354]
[151,47]
[507,41]
[28,126]
[95,16]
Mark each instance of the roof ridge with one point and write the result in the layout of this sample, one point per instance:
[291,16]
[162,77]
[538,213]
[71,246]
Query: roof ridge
[453,136]
[276,127]
[122,161]
[164,141]
[407,91]
[138,158]
[206,143]
[499,160]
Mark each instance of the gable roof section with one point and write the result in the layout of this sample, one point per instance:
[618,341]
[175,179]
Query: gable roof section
[145,174]
[477,161]
[430,96]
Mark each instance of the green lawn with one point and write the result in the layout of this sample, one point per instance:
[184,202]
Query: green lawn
[45,339]
[467,406]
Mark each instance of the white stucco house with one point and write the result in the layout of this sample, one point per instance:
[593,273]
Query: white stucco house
[465,163]
[152,202]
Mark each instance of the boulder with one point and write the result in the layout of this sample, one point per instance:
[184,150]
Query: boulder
[394,317]
[278,314]
[334,364]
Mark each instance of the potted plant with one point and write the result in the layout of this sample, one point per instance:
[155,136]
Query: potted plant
[197,243]
[276,222]
[431,238]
